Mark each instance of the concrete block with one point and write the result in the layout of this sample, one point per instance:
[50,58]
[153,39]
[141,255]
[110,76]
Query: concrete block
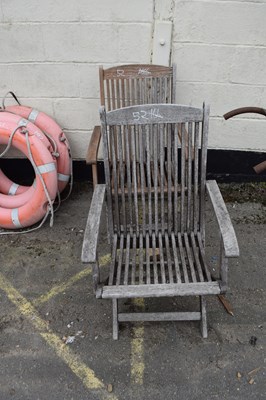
[79,141]
[6,82]
[89,80]
[237,134]
[221,97]
[85,42]
[82,10]
[117,11]
[48,10]
[44,80]
[21,43]
[202,63]
[135,43]
[217,22]
[249,66]
[77,114]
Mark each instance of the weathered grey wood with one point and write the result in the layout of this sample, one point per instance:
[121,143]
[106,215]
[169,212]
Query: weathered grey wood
[127,260]
[162,258]
[91,234]
[154,255]
[156,208]
[231,248]
[190,258]
[204,146]
[176,259]
[159,316]
[161,290]
[196,257]
[196,179]
[113,261]
[154,113]
[127,85]
[141,251]
[182,257]
[204,330]
[115,319]
[120,260]
[169,260]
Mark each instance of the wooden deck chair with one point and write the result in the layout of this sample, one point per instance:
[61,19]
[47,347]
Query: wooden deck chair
[157,233]
[128,85]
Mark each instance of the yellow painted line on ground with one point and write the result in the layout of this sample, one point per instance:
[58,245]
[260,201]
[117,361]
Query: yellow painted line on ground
[137,349]
[56,290]
[77,366]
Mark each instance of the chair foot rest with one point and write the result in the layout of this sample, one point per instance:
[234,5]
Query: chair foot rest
[160,316]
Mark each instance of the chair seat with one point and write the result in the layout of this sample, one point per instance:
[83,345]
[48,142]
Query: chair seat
[166,264]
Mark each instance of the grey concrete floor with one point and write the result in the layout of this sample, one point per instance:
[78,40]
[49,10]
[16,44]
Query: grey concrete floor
[46,298]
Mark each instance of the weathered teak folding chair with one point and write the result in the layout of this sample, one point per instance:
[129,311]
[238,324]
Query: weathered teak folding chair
[157,230]
[128,85]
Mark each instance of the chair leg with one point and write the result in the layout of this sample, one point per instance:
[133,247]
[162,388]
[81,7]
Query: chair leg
[94,175]
[115,319]
[203,322]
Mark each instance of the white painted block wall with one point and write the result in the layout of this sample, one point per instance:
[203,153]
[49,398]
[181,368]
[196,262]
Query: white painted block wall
[51,51]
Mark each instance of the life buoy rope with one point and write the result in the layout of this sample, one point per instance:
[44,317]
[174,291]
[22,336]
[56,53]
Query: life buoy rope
[27,138]
[55,134]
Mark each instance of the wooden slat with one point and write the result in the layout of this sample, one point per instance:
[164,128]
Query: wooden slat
[154,255]
[108,83]
[196,173]
[176,178]
[190,258]
[142,178]
[202,257]
[189,177]
[121,173]
[162,259]
[169,260]
[176,259]
[134,251]
[113,102]
[113,261]
[118,97]
[183,179]
[204,145]
[115,179]
[148,273]
[134,178]
[159,316]
[196,257]
[169,113]
[128,189]
[161,290]
[127,260]
[139,71]
[141,254]
[162,174]
[120,260]
[182,257]
[155,178]
[148,170]
[169,177]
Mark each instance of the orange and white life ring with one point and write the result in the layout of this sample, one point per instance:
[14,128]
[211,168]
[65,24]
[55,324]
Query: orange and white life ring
[25,209]
[9,187]
[50,127]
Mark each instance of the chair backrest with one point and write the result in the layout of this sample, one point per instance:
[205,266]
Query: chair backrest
[133,84]
[151,185]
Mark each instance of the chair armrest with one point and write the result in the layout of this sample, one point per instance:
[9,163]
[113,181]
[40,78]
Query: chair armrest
[92,152]
[90,240]
[229,239]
